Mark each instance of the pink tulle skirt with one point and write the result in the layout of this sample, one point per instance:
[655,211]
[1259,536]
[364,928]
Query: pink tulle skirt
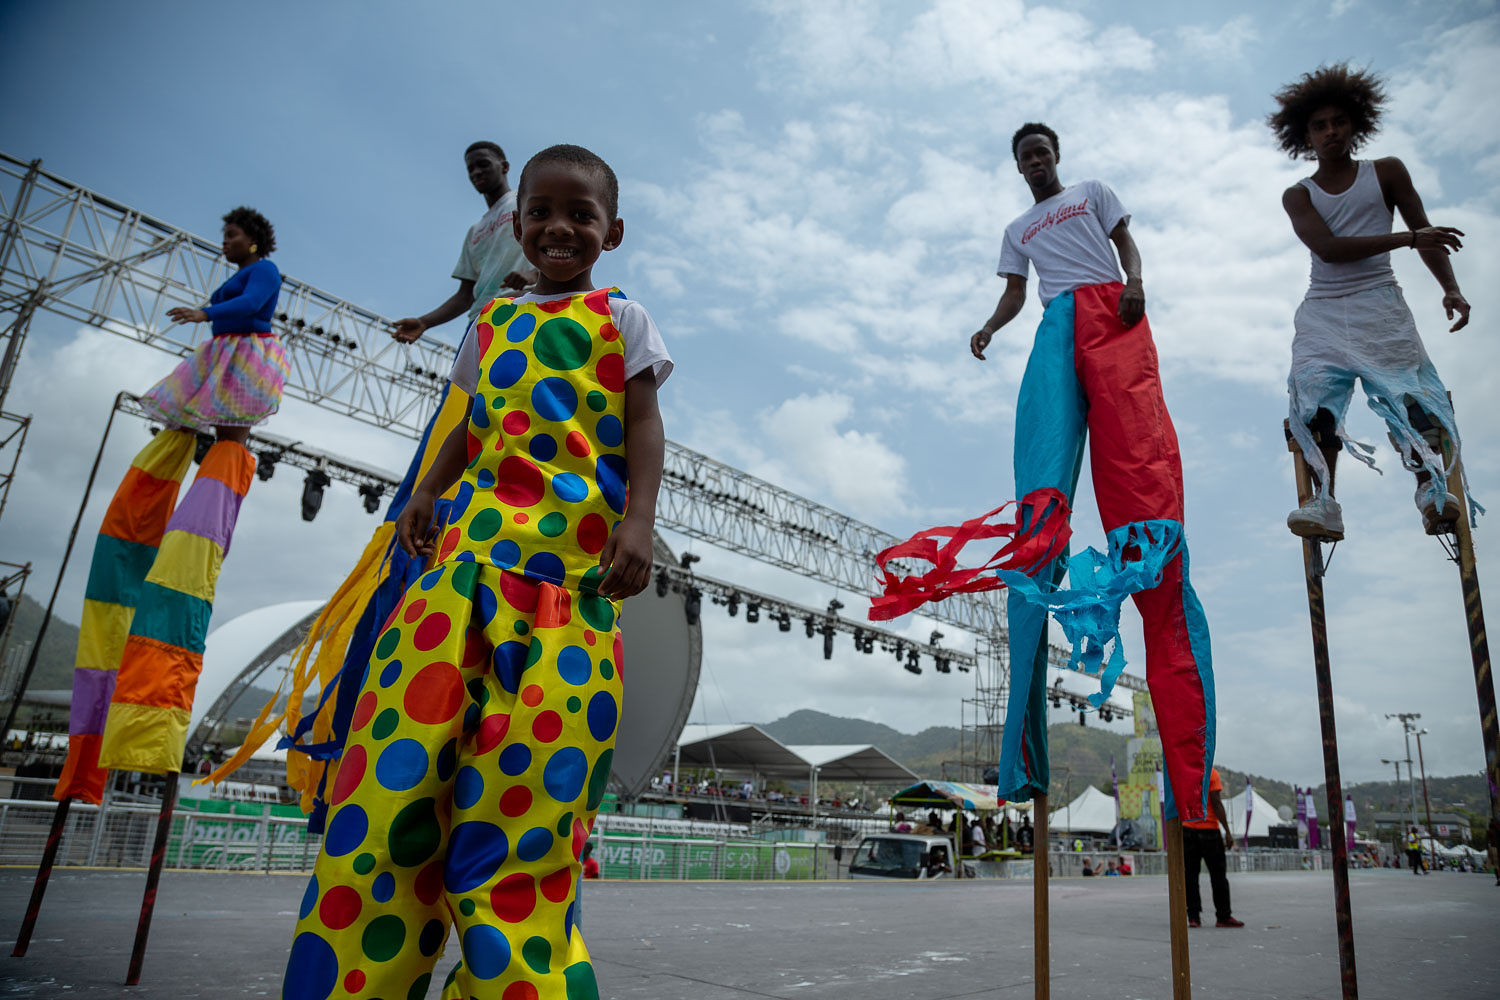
[230,380]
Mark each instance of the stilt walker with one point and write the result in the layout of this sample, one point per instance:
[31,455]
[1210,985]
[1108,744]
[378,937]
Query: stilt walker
[1092,372]
[156,562]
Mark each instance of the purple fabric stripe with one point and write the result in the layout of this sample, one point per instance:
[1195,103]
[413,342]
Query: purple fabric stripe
[209,510]
[91,693]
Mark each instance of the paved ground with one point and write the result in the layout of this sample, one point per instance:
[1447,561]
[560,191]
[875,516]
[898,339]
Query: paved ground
[225,935]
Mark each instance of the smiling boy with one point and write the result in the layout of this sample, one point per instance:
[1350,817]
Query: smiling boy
[483,738]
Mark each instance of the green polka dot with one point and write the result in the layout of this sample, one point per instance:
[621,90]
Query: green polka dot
[385,723]
[466,907]
[596,400]
[553,524]
[486,524]
[522,628]
[562,344]
[389,640]
[574,704]
[606,669]
[476,689]
[418,989]
[599,779]
[464,578]
[580,981]
[364,864]
[383,938]
[537,952]
[533,655]
[414,834]
[502,314]
[597,611]
[565,824]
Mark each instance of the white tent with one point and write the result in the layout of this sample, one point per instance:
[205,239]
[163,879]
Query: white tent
[1262,815]
[1091,812]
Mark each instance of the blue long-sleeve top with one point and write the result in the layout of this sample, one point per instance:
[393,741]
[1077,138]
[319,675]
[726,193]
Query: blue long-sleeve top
[246,302]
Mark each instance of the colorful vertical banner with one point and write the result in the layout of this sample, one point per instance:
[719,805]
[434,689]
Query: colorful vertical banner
[1301,819]
[1314,831]
[1349,822]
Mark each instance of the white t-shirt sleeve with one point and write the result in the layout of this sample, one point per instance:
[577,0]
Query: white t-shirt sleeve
[465,372]
[644,347]
[1012,260]
[467,269]
[1107,206]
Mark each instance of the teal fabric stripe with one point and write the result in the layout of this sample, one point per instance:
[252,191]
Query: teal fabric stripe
[118,571]
[171,617]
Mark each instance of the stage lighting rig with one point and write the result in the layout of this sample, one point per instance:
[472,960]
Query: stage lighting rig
[827,631]
[693,605]
[835,606]
[312,492]
[688,559]
[913,659]
[663,584]
[734,604]
[784,622]
[752,612]
[202,442]
[935,638]
[371,494]
[265,466]
[807,623]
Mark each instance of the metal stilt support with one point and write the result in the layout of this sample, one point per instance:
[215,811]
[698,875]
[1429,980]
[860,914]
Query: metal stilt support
[1041,911]
[158,858]
[1182,973]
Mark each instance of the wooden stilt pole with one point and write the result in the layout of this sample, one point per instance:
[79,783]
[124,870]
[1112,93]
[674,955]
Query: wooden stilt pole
[1040,910]
[43,874]
[158,857]
[1182,975]
[1312,562]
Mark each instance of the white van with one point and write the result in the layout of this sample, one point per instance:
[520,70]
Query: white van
[902,855]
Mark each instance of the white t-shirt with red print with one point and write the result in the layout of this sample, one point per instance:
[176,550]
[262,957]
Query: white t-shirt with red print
[1067,238]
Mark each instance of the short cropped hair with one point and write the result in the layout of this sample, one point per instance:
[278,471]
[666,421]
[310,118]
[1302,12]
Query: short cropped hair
[579,157]
[1033,128]
[486,144]
[255,226]
[1359,92]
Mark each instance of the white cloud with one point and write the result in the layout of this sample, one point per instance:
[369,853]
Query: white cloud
[1226,42]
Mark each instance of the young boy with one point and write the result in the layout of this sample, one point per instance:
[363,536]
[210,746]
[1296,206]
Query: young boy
[1354,322]
[1092,371]
[484,732]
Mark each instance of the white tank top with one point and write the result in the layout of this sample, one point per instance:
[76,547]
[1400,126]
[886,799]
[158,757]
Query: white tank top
[1359,211]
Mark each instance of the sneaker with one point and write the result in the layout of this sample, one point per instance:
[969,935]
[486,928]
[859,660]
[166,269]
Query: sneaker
[1230,922]
[1321,518]
[1194,922]
[1436,522]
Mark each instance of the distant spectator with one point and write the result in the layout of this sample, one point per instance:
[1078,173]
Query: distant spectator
[901,825]
[977,838]
[1088,868]
[590,865]
[1026,836]
[1112,870]
[1124,866]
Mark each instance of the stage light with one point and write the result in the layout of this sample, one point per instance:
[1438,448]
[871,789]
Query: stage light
[752,612]
[941,665]
[201,444]
[1106,715]
[312,493]
[662,583]
[784,622]
[693,605]
[371,493]
[1056,702]
[688,559]
[913,659]
[265,468]
[1083,718]
[859,639]
[935,638]
[827,643]
[834,606]
[734,604]
[807,623]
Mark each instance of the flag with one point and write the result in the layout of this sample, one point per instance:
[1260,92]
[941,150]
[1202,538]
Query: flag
[1349,822]
[1314,831]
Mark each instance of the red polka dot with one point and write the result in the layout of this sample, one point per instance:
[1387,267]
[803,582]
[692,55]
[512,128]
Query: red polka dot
[514,898]
[619,656]
[532,696]
[516,422]
[516,801]
[611,372]
[519,592]
[476,649]
[434,694]
[351,772]
[339,908]
[363,711]
[577,444]
[555,306]
[485,333]
[593,532]
[520,991]
[414,610]
[519,518]
[428,886]
[589,638]
[521,482]
[580,837]
[491,731]
[472,445]
[450,542]
[555,886]
[608,333]
[354,981]
[433,630]
[598,301]
[547,727]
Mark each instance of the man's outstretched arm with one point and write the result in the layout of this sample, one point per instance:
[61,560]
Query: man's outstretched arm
[1395,180]
[1133,298]
[409,329]
[1007,309]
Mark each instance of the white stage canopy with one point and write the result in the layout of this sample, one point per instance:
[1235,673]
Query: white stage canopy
[1262,815]
[1091,812]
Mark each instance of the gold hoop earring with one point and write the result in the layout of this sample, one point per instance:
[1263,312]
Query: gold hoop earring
[254,247]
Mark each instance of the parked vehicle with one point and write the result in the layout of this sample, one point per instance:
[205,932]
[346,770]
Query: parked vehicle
[902,855]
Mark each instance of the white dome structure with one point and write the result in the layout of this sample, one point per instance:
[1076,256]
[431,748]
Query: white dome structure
[238,652]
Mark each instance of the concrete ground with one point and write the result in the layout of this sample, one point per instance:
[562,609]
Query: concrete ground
[226,935]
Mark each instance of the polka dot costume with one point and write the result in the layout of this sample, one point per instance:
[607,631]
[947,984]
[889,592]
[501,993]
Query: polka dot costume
[484,732]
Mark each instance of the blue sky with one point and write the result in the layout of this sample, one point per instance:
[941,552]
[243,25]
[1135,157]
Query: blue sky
[814,196]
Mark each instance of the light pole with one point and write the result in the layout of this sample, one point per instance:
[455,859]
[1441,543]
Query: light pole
[1426,800]
[1400,835]
[1407,729]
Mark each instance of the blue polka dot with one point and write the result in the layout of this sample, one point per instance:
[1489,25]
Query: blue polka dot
[603,714]
[467,788]
[447,760]
[383,888]
[461,500]
[611,474]
[486,952]
[432,579]
[475,853]
[309,898]
[520,328]
[484,479]
[434,933]
[515,759]
[545,566]
[574,664]
[391,672]
[609,431]
[508,369]
[471,718]
[534,844]
[312,970]
[510,660]
[564,775]
[479,414]
[505,554]
[346,831]
[487,604]
[554,399]
[401,765]
[543,447]
[569,488]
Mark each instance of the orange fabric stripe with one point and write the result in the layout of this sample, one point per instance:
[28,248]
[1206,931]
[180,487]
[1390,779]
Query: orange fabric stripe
[231,464]
[158,674]
[141,508]
[82,777]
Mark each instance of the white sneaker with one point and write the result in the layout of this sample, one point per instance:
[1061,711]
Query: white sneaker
[1435,521]
[1321,517]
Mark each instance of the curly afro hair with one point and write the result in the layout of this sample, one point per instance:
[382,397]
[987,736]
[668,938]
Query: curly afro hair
[1034,128]
[255,226]
[1358,91]
[584,159]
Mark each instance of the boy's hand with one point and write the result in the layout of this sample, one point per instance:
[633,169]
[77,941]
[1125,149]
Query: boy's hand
[979,342]
[1444,238]
[1454,302]
[627,557]
[1132,303]
[414,528]
[407,330]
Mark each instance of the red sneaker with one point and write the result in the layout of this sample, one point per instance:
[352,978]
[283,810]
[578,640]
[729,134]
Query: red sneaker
[1194,922]
[1230,922]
